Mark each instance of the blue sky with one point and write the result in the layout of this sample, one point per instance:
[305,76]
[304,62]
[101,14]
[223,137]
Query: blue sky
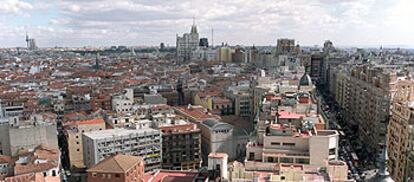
[246,22]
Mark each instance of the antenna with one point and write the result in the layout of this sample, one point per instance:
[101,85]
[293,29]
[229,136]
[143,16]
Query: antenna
[27,40]
[212,37]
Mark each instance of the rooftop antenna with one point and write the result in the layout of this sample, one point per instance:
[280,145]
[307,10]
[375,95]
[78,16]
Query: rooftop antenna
[27,40]
[212,37]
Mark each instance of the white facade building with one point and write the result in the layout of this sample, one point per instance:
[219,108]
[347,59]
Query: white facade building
[97,145]
[187,44]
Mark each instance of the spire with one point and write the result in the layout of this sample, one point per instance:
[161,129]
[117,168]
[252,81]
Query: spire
[27,40]
[194,27]
[194,21]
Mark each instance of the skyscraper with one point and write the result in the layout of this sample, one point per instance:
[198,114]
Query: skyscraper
[188,43]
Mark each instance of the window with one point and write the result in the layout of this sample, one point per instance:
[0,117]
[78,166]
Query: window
[117,176]
[282,178]
[251,155]
[332,151]
[275,143]
[270,159]
[302,161]
[289,144]
[77,150]
[286,160]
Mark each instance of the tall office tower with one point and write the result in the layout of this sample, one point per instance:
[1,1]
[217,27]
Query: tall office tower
[98,145]
[187,44]
[400,133]
[30,43]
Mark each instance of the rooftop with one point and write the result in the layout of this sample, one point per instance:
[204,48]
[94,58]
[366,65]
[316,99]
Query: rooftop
[117,132]
[116,164]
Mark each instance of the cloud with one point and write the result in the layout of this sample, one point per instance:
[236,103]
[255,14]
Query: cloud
[260,22]
[14,7]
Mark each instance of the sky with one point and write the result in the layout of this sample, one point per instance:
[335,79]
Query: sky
[77,23]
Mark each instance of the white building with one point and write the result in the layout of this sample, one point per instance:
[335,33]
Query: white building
[124,101]
[187,44]
[217,162]
[221,137]
[98,145]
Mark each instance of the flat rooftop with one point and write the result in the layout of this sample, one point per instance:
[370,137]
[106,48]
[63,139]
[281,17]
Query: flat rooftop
[118,132]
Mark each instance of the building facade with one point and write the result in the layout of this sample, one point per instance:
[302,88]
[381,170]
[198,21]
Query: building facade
[97,145]
[187,44]
[181,146]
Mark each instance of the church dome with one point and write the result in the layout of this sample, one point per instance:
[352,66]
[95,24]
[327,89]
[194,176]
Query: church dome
[305,80]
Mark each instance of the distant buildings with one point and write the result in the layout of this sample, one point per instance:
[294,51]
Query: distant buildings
[31,43]
[187,44]
[98,145]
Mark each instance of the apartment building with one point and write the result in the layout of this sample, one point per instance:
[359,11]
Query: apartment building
[400,133]
[17,133]
[284,142]
[181,145]
[97,145]
[73,132]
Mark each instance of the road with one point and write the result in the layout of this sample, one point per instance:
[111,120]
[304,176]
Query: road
[349,146]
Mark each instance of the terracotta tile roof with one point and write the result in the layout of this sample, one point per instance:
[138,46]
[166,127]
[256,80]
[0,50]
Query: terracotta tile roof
[119,163]
[32,177]
[195,112]
[87,121]
[5,159]
[50,155]
[170,176]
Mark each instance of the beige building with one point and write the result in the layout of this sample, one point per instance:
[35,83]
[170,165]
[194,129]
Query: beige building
[400,145]
[371,90]
[225,54]
[290,141]
[332,171]
[74,131]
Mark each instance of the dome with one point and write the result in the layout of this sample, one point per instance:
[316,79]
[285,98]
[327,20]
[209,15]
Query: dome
[305,80]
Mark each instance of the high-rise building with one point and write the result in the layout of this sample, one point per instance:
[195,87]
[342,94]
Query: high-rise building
[399,133]
[31,43]
[187,44]
[146,142]
[371,90]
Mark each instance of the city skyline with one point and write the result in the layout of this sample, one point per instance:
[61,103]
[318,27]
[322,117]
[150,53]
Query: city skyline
[246,22]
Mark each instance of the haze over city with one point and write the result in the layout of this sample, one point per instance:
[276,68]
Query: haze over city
[239,22]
